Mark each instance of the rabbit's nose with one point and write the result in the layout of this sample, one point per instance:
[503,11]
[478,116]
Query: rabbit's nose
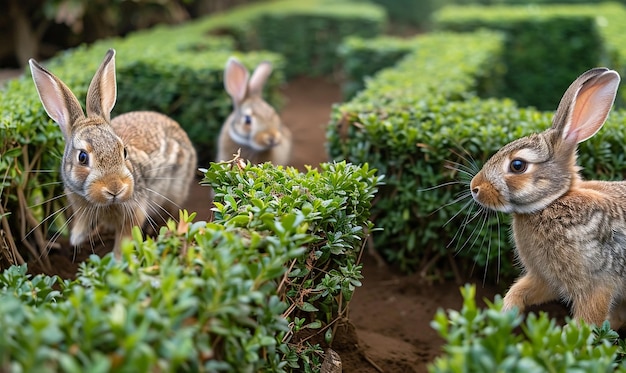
[114,192]
[273,141]
[475,185]
[475,191]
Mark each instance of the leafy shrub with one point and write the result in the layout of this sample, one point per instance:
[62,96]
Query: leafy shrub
[489,340]
[415,120]
[408,121]
[31,149]
[407,12]
[545,46]
[361,58]
[329,210]
[307,32]
[280,260]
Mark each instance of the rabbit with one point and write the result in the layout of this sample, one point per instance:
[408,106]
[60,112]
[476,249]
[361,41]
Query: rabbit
[569,233]
[253,130]
[116,173]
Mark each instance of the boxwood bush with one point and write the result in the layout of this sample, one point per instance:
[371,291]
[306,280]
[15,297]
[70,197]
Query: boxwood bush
[305,32]
[31,148]
[261,288]
[402,123]
[361,58]
[488,340]
[545,45]
[424,115]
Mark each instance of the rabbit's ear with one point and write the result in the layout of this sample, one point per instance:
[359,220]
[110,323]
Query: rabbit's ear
[236,80]
[259,77]
[103,88]
[57,99]
[586,105]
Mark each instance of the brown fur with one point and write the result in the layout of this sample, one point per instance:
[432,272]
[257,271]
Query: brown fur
[264,138]
[138,166]
[570,234]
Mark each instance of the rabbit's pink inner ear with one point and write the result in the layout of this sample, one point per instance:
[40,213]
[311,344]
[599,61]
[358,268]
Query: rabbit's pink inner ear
[58,101]
[592,106]
[102,91]
[259,77]
[236,80]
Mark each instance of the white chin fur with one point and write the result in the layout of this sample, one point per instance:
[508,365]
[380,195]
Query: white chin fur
[246,141]
[238,138]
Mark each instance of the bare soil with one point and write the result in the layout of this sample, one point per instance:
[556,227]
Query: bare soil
[388,328]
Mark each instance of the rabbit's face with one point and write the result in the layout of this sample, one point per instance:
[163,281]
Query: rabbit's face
[524,176]
[257,125]
[96,166]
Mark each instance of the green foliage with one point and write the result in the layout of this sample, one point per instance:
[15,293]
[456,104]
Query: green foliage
[422,125]
[306,32]
[539,68]
[408,12]
[409,121]
[489,340]
[329,211]
[185,302]
[362,58]
[31,148]
[232,295]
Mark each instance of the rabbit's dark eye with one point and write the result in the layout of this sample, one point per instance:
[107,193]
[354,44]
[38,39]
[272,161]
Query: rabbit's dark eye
[518,166]
[247,119]
[83,158]
[125,153]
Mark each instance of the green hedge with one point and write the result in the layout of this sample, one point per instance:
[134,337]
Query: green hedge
[416,119]
[488,340]
[402,124]
[545,46]
[236,294]
[31,148]
[306,32]
[408,12]
[362,58]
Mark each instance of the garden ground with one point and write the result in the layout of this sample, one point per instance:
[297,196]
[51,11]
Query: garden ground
[388,329]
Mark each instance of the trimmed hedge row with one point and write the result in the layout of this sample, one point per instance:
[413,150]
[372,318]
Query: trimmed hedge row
[206,296]
[362,58]
[415,120]
[398,123]
[546,45]
[306,32]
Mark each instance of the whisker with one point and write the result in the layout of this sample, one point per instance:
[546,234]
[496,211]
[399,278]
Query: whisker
[48,200]
[42,171]
[449,183]
[466,219]
[461,197]
[458,212]
[54,214]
